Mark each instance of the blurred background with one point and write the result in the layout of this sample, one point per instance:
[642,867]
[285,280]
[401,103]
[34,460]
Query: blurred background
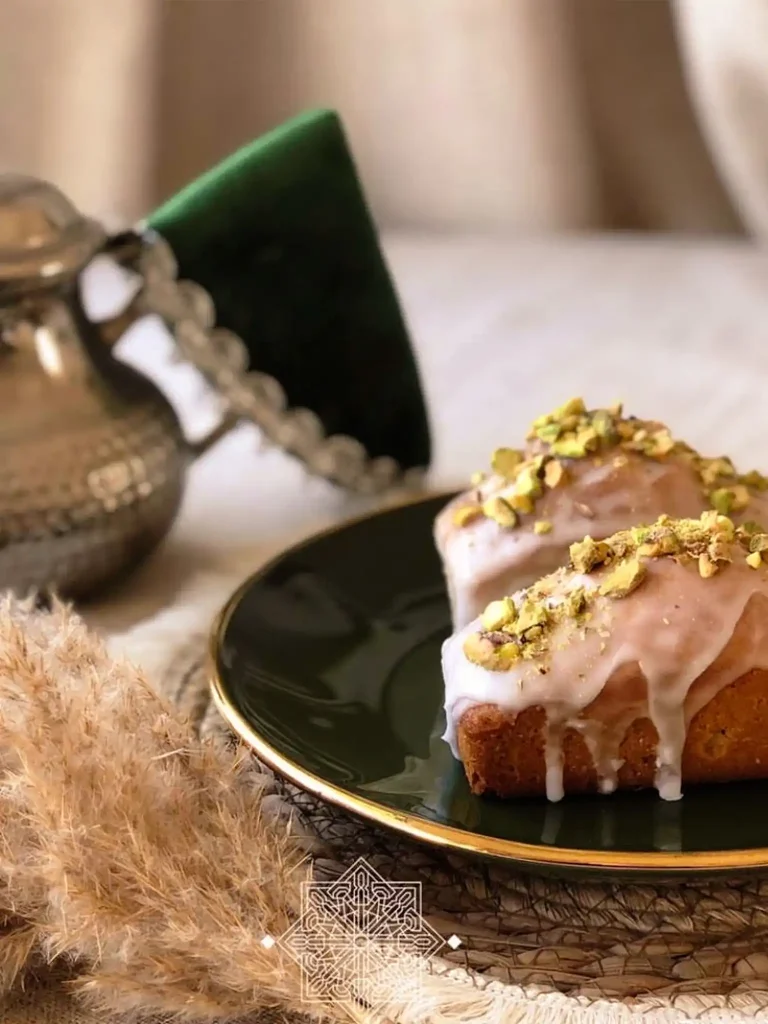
[524,115]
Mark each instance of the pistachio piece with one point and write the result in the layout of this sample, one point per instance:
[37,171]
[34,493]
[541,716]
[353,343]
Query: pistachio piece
[725,527]
[505,461]
[626,430]
[507,655]
[750,528]
[740,497]
[588,553]
[528,482]
[589,438]
[482,651]
[707,567]
[477,648]
[663,443]
[573,407]
[575,603]
[477,478]
[626,577]
[554,473]
[714,470]
[540,421]
[520,503]
[569,448]
[602,421]
[466,514]
[719,550]
[755,560]
[755,480]
[758,542]
[652,549]
[498,614]
[501,512]
[622,544]
[549,432]
[722,500]
[532,614]
[542,526]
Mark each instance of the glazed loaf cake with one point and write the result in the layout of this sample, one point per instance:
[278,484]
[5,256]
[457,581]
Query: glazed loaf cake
[581,472]
[644,662]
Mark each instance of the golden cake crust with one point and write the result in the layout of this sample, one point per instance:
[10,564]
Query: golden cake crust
[727,740]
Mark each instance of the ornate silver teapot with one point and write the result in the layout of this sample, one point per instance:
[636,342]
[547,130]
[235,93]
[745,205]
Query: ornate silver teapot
[92,456]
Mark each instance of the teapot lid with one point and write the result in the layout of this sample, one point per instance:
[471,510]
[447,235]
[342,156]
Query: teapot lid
[42,235]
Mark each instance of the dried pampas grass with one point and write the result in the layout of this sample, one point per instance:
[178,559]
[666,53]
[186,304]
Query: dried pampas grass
[131,853]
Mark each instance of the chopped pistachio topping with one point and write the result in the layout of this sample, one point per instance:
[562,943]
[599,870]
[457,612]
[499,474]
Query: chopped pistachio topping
[707,566]
[554,473]
[532,615]
[626,577]
[574,432]
[522,628]
[467,514]
[542,526]
[485,649]
[505,461]
[521,503]
[751,527]
[501,511]
[499,614]
[587,554]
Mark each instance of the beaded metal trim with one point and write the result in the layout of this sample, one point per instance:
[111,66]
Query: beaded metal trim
[221,356]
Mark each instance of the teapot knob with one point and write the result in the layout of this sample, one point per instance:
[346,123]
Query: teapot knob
[43,237]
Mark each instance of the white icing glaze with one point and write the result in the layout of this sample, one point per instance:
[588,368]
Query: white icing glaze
[670,647]
[482,560]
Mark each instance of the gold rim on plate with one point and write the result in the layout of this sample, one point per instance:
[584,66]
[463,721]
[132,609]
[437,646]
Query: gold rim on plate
[446,836]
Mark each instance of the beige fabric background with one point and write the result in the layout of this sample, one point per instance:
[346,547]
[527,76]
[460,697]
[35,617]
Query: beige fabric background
[479,114]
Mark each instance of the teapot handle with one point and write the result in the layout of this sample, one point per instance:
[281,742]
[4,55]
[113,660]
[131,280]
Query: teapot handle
[155,266]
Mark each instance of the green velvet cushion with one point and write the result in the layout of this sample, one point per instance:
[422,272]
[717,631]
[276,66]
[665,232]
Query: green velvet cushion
[281,236]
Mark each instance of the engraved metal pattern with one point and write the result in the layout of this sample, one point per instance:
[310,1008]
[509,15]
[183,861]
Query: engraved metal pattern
[92,456]
[93,460]
[222,358]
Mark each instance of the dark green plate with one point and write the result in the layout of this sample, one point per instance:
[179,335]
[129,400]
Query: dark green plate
[327,663]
